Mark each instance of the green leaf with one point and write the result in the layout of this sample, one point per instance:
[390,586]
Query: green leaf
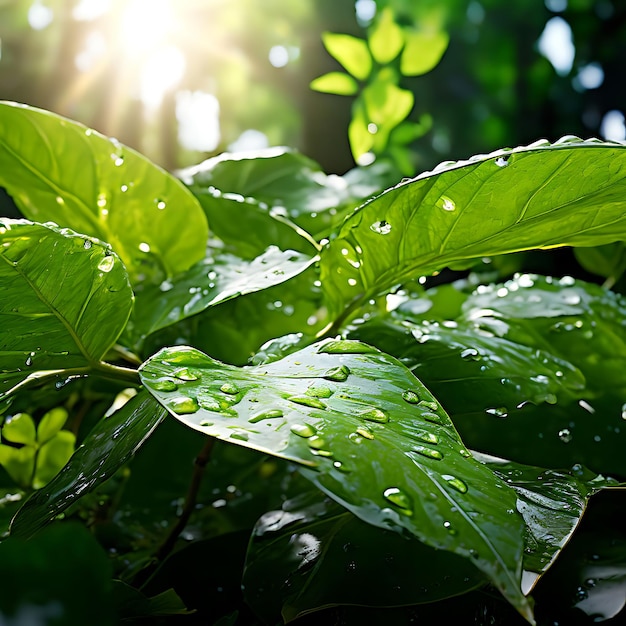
[52,457]
[373,437]
[19,463]
[58,170]
[361,139]
[351,52]
[539,196]
[387,104]
[422,51]
[20,428]
[314,554]
[60,577]
[130,603]
[336,83]
[66,299]
[109,445]
[386,38]
[608,261]
[552,503]
[211,282]
[51,423]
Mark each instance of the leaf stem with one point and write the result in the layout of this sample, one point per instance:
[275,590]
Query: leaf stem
[200,464]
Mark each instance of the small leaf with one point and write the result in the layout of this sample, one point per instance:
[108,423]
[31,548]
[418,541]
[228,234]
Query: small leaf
[52,457]
[58,170]
[19,463]
[351,52]
[110,444]
[393,459]
[20,428]
[386,38]
[50,424]
[387,104]
[361,139]
[422,51]
[336,83]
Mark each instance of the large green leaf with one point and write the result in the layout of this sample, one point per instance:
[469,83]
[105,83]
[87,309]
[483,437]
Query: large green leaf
[65,300]
[59,170]
[313,554]
[110,444]
[539,196]
[210,282]
[371,434]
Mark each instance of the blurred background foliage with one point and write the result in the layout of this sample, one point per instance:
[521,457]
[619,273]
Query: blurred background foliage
[182,81]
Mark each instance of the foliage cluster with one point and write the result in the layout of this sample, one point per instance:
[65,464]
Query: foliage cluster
[390,410]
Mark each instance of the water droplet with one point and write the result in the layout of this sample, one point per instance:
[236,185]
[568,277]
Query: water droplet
[319,392]
[183,405]
[185,374]
[144,247]
[206,423]
[502,161]
[303,430]
[426,437]
[230,389]
[426,404]
[364,432]
[410,396]
[160,204]
[346,346]
[428,452]
[315,441]
[29,359]
[455,483]
[382,228]
[314,403]
[375,415]
[470,354]
[400,499]
[585,405]
[106,263]
[265,415]
[338,374]
[240,435]
[565,435]
[87,244]
[164,384]
[624,411]
[446,203]
[499,411]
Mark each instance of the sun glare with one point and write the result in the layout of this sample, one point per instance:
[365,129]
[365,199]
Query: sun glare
[145,25]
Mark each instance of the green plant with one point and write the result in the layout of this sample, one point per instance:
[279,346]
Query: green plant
[371,439]
[379,125]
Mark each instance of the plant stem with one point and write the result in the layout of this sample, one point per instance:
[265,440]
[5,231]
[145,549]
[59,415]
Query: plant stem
[200,464]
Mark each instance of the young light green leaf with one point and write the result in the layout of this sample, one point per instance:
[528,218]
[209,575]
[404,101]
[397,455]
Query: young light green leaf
[351,52]
[372,435]
[211,282]
[538,196]
[386,38]
[422,51]
[66,299]
[20,428]
[337,83]
[313,554]
[52,457]
[58,170]
[110,444]
[51,423]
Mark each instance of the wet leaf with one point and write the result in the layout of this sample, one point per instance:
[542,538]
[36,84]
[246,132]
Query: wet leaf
[149,218]
[538,196]
[372,435]
[313,554]
[65,300]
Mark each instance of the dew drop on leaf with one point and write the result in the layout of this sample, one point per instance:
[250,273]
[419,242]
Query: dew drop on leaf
[315,441]
[230,389]
[183,405]
[410,396]
[470,354]
[265,415]
[208,402]
[382,227]
[455,483]
[185,374]
[400,499]
[565,435]
[375,415]
[498,411]
[164,384]
[314,403]
[426,437]
[338,374]
[319,392]
[106,263]
[502,161]
[428,452]
[426,404]
[344,346]
[303,430]
[365,432]
[446,203]
[240,435]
